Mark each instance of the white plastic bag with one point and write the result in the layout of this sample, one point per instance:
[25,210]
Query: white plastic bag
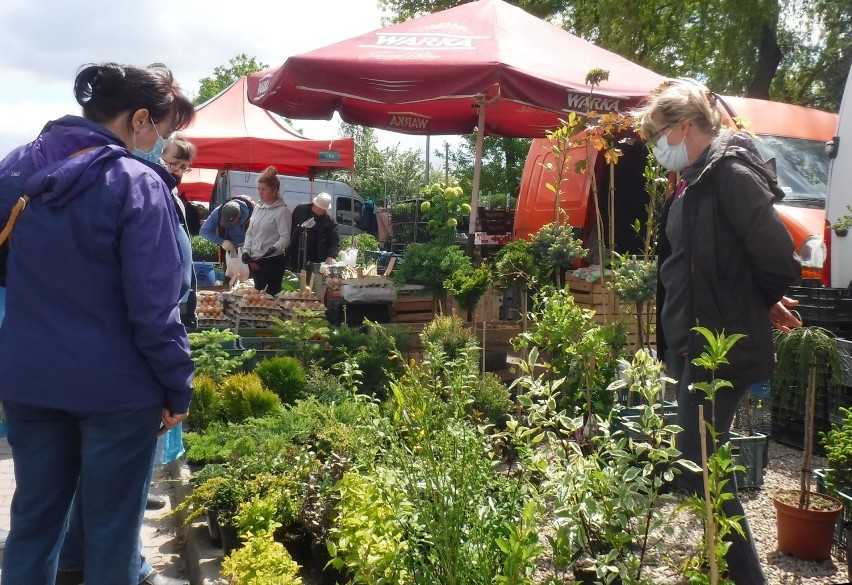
[235,269]
[349,257]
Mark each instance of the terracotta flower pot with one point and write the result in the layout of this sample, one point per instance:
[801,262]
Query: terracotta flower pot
[806,534]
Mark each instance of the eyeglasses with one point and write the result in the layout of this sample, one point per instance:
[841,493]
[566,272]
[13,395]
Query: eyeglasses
[652,140]
[177,166]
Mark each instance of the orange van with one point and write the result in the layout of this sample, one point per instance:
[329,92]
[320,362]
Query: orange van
[794,136]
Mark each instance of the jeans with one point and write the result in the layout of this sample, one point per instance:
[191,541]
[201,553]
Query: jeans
[110,455]
[743,561]
[71,554]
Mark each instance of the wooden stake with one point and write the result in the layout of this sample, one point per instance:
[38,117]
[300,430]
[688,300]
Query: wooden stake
[710,531]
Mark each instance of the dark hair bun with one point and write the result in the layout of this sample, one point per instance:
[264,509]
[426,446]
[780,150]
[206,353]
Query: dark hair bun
[98,81]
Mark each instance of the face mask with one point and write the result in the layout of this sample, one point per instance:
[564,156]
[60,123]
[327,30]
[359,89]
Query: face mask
[673,158]
[156,152]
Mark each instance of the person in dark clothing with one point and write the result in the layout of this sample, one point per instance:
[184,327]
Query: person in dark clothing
[314,236]
[193,218]
[726,261]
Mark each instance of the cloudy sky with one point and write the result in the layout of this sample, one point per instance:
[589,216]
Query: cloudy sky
[44,42]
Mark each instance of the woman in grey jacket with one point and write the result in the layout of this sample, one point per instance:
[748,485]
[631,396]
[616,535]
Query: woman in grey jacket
[268,235]
[726,261]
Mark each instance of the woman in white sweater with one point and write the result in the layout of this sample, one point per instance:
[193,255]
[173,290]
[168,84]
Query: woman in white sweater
[268,235]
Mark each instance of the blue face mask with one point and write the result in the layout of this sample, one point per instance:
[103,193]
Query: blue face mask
[156,152]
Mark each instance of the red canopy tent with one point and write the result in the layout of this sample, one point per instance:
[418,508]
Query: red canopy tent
[232,133]
[197,184]
[485,64]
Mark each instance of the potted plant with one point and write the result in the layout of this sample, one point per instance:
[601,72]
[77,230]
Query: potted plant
[806,519]
[838,477]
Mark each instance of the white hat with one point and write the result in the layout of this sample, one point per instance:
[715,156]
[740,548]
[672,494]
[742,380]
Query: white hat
[323,201]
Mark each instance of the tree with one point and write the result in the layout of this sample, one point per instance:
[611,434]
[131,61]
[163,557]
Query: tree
[223,76]
[798,51]
[502,164]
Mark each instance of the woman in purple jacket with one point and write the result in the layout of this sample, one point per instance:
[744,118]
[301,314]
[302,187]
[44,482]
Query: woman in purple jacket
[93,356]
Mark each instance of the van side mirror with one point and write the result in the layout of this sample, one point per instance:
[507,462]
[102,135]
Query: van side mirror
[831,147]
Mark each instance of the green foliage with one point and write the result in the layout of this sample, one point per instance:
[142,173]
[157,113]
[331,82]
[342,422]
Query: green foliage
[261,561]
[555,244]
[364,242]
[576,348]
[795,353]
[443,204]
[210,356]
[634,280]
[430,265]
[323,386]
[468,286]
[447,337]
[491,397]
[204,250]
[283,375]
[256,516]
[223,77]
[373,347]
[243,396]
[838,452]
[515,263]
[206,402]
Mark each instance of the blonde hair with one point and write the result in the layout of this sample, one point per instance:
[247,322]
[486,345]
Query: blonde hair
[676,100]
[269,177]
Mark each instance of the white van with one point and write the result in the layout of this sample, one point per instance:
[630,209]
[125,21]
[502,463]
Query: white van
[840,195]
[295,191]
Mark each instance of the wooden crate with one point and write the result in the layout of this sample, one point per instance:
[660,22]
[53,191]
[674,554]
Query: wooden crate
[594,296]
[413,309]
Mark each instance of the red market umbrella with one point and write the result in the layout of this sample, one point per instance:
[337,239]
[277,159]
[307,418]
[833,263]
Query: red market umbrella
[485,64]
[232,133]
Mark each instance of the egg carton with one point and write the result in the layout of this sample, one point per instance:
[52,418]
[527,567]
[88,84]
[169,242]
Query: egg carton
[207,321]
[255,322]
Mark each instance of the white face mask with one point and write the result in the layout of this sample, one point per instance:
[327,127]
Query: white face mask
[673,158]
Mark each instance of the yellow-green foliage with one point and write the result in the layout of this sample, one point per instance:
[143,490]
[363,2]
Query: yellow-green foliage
[262,561]
[244,396]
[206,402]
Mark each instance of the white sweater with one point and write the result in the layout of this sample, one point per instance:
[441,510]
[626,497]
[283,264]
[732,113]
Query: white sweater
[269,226]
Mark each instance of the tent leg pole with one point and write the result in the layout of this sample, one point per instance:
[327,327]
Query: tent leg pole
[477,169]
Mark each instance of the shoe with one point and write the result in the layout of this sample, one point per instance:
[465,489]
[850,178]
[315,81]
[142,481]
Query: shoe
[157,578]
[69,578]
[155,502]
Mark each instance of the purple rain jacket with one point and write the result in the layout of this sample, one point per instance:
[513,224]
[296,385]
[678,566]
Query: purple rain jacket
[93,277]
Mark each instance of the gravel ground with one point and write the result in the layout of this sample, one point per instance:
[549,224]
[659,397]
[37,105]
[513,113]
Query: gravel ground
[780,569]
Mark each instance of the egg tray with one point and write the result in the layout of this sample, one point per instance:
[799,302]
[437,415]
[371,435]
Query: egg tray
[255,322]
[213,321]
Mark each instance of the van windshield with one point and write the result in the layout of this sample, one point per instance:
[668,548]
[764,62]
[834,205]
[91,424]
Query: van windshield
[802,168]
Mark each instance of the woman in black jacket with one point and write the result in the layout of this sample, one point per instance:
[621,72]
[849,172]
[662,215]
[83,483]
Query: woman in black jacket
[726,261]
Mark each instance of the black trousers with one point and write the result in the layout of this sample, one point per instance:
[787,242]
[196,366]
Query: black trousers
[743,561]
[269,273]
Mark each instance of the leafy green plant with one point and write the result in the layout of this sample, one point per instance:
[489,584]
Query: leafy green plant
[443,207]
[256,516]
[574,347]
[283,375]
[206,402]
[261,561]
[634,280]
[243,396]
[491,398]
[842,225]
[804,357]
[204,250]
[364,242]
[430,265]
[468,286]
[516,263]
[220,492]
[449,335]
[208,351]
[555,244]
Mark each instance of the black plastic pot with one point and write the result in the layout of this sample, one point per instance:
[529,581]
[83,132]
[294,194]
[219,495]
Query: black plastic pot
[230,538]
[213,525]
[848,528]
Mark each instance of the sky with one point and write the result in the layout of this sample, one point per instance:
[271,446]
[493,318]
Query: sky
[44,42]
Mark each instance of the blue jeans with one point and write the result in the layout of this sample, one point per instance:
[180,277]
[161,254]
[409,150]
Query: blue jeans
[71,554]
[110,455]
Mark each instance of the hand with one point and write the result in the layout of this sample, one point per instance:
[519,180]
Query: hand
[253,266]
[781,318]
[246,258]
[269,252]
[227,245]
[329,260]
[169,420]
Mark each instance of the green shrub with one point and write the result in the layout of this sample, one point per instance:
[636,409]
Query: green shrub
[283,375]
[430,264]
[207,404]
[261,561]
[491,398]
[449,336]
[243,396]
[209,351]
[323,386]
[204,250]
